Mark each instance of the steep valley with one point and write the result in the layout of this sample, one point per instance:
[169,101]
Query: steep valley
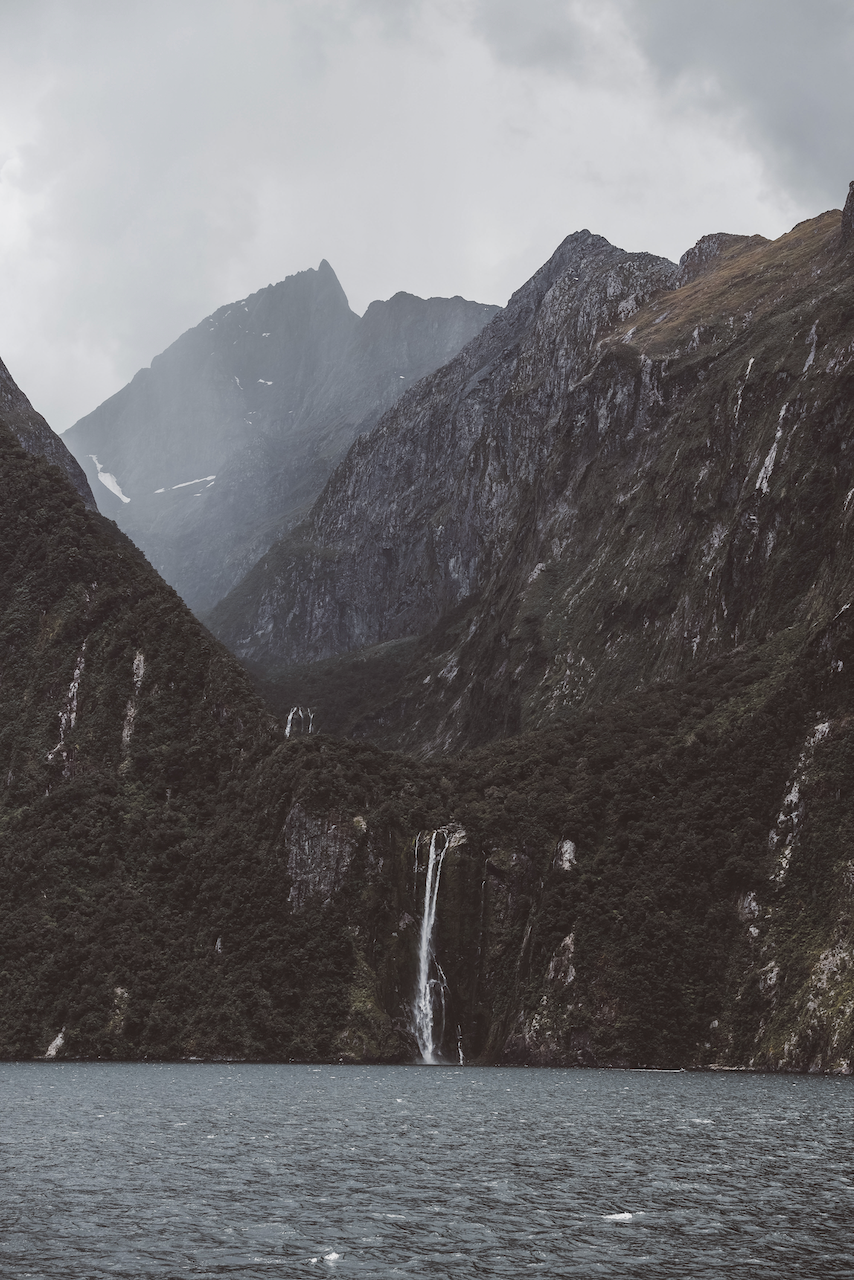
[576,611]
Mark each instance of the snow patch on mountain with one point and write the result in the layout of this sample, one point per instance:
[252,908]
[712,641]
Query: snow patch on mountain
[109,480]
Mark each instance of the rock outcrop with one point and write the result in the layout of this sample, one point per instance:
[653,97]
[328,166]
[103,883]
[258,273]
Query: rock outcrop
[848,217]
[422,509]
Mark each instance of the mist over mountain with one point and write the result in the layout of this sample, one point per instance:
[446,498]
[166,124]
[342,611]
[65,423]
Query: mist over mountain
[208,456]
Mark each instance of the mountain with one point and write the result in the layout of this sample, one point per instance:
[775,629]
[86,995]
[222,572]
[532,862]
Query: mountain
[208,456]
[34,434]
[150,809]
[656,876]
[634,468]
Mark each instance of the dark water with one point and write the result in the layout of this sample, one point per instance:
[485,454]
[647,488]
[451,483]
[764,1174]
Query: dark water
[263,1171]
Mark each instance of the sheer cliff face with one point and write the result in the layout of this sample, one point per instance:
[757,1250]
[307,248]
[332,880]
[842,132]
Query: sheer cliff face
[421,509]
[634,467]
[209,455]
[35,435]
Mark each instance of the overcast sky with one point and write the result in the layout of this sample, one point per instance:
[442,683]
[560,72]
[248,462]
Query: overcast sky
[159,159]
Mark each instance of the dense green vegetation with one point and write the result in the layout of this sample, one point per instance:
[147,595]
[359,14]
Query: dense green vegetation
[123,862]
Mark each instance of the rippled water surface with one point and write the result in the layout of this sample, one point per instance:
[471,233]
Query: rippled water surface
[261,1171]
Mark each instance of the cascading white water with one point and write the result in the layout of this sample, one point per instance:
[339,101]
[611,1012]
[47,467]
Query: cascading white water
[302,712]
[431,990]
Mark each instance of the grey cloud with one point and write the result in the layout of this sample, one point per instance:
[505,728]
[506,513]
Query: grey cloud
[784,66]
[151,131]
[780,72]
[551,34]
[158,159]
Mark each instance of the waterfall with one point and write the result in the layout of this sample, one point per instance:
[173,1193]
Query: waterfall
[430,994]
[303,713]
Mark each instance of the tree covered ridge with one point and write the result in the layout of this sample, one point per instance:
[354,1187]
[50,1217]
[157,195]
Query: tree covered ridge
[129,850]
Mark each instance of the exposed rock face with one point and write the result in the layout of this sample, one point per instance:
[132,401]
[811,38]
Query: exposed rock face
[848,216]
[36,436]
[423,508]
[319,853]
[617,478]
[704,255]
[209,455]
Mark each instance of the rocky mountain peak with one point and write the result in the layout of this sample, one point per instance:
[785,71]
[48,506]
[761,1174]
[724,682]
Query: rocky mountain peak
[572,254]
[607,485]
[375,563]
[222,445]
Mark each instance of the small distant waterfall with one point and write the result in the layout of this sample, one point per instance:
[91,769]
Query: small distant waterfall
[430,993]
[305,714]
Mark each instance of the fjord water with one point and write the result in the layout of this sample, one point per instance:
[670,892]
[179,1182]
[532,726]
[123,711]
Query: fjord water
[258,1171]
